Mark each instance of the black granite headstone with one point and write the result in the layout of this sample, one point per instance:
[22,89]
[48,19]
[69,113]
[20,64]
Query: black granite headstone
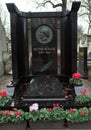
[44,46]
[45,86]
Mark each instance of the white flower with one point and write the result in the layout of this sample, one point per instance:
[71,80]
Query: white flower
[34,107]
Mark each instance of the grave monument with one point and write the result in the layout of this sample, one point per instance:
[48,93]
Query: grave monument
[37,39]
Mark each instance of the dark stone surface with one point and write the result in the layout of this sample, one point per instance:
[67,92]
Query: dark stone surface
[45,86]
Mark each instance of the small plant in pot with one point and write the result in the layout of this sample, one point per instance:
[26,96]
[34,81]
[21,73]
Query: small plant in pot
[76,80]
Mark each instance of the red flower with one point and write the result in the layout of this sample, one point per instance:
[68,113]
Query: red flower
[56,105]
[1,93]
[84,92]
[76,75]
[17,113]
[5,94]
[82,112]
[72,110]
[49,110]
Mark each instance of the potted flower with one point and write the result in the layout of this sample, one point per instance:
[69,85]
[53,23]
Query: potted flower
[76,82]
[76,79]
[45,118]
[12,119]
[4,98]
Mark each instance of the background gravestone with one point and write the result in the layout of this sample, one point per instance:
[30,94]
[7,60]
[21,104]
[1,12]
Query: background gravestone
[83,61]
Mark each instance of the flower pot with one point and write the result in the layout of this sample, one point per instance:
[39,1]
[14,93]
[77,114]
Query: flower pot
[78,90]
[46,125]
[82,125]
[13,126]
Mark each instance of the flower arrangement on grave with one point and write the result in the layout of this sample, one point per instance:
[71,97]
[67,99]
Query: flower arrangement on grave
[83,98]
[4,98]
[55,113]
[78,115]
[14,115]
[76,79]
[58,113]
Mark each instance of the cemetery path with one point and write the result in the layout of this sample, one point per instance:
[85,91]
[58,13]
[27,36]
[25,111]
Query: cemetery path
[87,85]
[4,81]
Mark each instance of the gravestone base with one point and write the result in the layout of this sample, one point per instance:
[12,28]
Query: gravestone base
[44,90]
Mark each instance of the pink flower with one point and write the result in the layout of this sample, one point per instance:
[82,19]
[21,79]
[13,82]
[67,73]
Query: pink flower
[76,75]
[5,94]
[84,92]
[17,116]
[5,112]
[34,107]
[72,110]
[14,109]
[11,113]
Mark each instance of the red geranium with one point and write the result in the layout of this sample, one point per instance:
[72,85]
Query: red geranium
[72,110]
[82,112]
[49,110]
[76,75]
[1,93]
[4,93]
[17,113]
[83,92]
[76,79]
[56,105]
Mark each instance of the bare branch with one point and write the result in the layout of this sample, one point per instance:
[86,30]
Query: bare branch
[54,6]
[83,14]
